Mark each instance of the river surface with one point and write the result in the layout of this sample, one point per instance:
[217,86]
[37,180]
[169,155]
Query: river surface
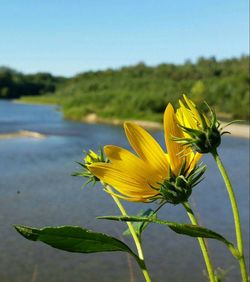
[37,189]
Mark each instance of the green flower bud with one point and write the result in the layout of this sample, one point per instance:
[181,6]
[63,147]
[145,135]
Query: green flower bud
[201,132]
[176,190]
[202,141]
[90,158]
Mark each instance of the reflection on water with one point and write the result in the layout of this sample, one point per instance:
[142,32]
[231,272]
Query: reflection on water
[37,189]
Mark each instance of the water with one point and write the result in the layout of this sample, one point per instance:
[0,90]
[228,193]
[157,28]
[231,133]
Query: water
[37,190]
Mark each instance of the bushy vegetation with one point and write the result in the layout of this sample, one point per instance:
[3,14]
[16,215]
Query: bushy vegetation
[142,92]
[14,84]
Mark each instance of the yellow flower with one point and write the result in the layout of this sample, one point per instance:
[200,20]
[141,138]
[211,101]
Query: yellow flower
[203,134]
[150,173]
[90,158]
[189,116]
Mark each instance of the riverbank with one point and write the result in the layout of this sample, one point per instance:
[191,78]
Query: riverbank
[236,130]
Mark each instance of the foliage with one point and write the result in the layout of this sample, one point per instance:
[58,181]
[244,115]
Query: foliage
[14,84]
[142,92]
[73,239]
[180,228]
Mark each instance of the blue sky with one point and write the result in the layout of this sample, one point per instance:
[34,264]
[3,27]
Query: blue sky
[67,37]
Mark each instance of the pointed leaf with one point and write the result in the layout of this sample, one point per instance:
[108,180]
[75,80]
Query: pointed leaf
[140,225]
[74,239]
[180,228]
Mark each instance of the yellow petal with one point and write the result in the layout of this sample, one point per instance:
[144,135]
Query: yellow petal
[185,117]
[193,162]
[123,157]
[130,199]
[175,151]
[193,109]
[147,148]
[126,161]
[127,184]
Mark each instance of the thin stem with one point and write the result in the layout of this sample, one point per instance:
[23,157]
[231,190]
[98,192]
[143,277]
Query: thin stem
[141,262]
[159,207]
[235,215]
[202,244]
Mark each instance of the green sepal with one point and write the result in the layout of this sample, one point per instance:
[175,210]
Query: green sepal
[180,228]
[140,226]
[74,239]
[177,189]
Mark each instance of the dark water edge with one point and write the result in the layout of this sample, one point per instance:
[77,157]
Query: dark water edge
[37,189]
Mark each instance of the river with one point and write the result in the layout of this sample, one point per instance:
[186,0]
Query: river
[37,189]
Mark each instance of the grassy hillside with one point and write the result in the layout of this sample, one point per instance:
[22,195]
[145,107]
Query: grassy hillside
[142,92]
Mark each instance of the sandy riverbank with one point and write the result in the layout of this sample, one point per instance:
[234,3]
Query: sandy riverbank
[22,134]
[237,130]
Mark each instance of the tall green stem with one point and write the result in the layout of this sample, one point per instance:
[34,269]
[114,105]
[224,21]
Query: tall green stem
[202,243]
[141,262]
[235,215]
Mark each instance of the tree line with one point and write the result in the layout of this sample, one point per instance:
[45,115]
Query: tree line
[142,91]
[15,84]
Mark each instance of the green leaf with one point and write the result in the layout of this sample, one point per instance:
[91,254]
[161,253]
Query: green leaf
[74,239]
[140,225]
[180,228]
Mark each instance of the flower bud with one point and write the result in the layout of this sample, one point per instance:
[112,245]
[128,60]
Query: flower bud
[177,189]
[90,158]
[201,132]
[202,141]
